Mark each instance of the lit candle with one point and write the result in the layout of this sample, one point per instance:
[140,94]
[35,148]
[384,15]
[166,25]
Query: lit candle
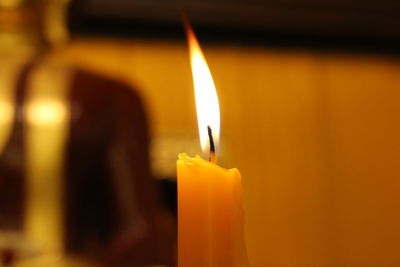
[210,213]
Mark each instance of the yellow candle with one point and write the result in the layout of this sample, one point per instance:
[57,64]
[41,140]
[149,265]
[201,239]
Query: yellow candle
[210,214]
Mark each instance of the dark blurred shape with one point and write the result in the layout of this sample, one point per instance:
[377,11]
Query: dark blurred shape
[108,178]
[169,189]
[12,169]
[358,25]
[7,257]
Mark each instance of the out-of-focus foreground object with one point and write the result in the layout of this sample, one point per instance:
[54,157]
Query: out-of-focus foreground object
[75,182]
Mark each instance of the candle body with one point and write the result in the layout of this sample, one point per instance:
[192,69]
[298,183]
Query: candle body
[210,215]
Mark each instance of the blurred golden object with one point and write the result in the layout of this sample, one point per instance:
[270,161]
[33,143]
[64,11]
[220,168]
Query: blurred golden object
[47,117]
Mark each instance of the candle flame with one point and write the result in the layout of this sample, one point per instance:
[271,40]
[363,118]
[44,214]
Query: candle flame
[207,105]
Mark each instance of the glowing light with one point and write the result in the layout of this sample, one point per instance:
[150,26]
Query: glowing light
[207,105]
[45,112]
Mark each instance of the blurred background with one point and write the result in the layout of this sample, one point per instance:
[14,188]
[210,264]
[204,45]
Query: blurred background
[308,92]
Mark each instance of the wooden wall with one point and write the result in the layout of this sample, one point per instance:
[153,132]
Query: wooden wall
[315,135]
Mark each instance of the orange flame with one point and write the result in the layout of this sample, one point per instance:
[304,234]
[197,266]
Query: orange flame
[207,105]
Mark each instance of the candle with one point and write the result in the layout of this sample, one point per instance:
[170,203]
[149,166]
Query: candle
[210,214]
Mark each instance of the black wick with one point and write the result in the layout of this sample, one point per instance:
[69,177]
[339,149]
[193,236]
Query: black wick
[212,146]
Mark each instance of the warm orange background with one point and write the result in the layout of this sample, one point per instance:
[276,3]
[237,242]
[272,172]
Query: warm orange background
[315,135]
